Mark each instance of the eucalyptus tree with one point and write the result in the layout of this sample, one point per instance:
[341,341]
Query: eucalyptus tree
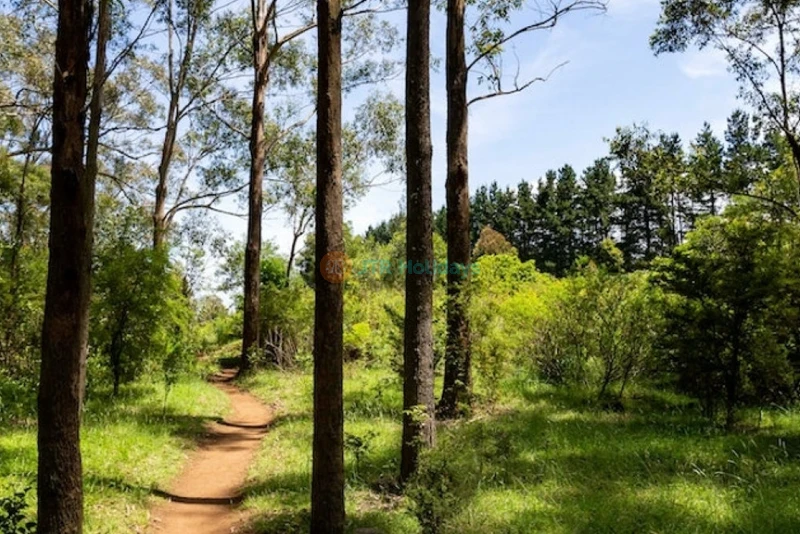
[418,397]
[26,64]
[760,40]
[327,480]
[66,317]
[496,26]
[197,63]
[372,155]
[25,115]
[281,63]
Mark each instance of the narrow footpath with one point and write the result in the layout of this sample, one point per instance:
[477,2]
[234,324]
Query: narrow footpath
[204,498]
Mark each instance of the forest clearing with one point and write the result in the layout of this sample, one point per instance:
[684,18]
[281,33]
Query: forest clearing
[384,267]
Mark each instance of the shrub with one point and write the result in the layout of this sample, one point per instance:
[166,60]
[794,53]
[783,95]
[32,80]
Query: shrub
[14,514]
[732,311]
[601,331]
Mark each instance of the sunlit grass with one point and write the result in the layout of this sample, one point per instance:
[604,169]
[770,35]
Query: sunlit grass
[129,445]
[542,459]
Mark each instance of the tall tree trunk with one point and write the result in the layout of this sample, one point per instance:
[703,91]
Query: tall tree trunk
[732,372]
[176,82]
[292,252]
[457,376]
[327,484]
[19,224]
[98,81]
[418,398]
[65,326]
[258,150]
[162,188]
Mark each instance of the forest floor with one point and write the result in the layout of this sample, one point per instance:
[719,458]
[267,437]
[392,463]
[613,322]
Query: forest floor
[131,444]
[531,458]
[204,498]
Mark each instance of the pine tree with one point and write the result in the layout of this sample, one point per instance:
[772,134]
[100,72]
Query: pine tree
[524,238]
[566,221]
[642,208]
[596,211]
[546,228]
[705,180]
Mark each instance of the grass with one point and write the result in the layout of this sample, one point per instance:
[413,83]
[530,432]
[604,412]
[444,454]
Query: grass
[280,478]
[130,444]
[541,459]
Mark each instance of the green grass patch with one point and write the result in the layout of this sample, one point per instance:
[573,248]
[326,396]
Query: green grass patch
[541,459]
[280,480]
[130,444]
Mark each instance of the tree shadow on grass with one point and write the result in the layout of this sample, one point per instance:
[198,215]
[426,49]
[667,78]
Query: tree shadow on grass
[295,521]
[596,472]
[586,512]
[288,489]
[177,424]
[18,460]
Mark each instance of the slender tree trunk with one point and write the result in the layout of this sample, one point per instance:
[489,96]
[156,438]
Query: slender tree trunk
[176,85]
[732,373]
[19,227]
[457,375]
[162,188]
[65,327]
[327,484]
[292,253]
[98,81]
[418,397]
[258,156]
[96,102]
[12,312]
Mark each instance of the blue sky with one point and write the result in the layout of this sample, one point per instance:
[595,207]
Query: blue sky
[612,79]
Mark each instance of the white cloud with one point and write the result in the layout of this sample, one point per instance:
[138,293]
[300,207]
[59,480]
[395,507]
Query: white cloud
[631,6]
[703,64]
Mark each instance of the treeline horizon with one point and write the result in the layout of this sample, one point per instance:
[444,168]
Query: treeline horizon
[644,196]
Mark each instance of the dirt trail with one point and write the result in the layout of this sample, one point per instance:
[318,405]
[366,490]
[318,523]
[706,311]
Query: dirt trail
[203,499]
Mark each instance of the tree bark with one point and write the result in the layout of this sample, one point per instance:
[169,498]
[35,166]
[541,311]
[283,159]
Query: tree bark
[327,485]
[174,116]
[418,397]
[457,376]
[98,81]
[258,156]
[65,326]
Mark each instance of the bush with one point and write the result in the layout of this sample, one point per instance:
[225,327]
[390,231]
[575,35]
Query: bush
[287,318]
[509,299]
[450,474]
[141,311]
[14,514]
[732,310]
[601,332]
